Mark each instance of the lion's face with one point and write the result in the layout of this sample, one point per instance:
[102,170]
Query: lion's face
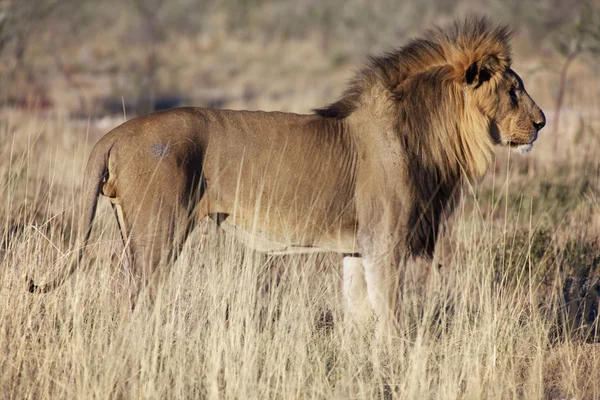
[517,119]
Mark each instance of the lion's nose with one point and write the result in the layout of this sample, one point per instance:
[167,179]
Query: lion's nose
[541,123]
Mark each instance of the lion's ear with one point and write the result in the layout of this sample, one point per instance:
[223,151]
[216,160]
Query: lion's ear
[481,70]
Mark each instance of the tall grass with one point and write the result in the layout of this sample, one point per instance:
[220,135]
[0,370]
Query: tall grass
[232,323]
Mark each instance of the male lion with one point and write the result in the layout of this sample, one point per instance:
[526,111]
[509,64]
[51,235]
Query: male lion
[371,176]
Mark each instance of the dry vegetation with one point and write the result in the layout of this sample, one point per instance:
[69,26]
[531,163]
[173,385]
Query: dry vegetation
[514,314]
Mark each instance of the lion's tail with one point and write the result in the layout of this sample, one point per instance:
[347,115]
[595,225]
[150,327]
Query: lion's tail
[95,172]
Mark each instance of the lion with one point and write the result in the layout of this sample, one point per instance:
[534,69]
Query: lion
[372,176]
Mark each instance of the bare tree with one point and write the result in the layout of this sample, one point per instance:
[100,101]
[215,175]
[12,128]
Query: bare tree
[579,38]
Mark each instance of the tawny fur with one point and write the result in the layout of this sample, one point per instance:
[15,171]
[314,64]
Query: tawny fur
[374,174]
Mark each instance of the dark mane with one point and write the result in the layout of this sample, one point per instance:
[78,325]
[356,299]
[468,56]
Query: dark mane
[461,43]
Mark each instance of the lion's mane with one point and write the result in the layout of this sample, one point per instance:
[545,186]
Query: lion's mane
[444,136]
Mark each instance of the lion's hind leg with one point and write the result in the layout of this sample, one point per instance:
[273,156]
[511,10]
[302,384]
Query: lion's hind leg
[125,256]
[154,223]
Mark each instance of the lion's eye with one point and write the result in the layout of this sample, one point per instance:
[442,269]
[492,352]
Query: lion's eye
[513,95]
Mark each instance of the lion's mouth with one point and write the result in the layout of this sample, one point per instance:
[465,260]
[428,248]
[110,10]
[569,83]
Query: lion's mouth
[517,144]
[521,145]
[521,148]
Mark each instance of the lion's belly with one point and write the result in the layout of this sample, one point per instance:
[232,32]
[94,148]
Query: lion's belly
[266,239]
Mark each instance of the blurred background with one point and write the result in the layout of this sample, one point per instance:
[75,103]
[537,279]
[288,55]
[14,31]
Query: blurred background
[93,58]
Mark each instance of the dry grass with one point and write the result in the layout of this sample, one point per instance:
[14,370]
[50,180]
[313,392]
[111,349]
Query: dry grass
[512,315]
[236,324]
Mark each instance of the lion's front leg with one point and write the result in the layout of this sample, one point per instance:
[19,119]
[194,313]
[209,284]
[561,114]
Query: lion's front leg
[358,307]
[384,274]
[384,283]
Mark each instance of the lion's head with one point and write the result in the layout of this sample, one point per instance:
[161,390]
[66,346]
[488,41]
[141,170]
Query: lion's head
[499,93]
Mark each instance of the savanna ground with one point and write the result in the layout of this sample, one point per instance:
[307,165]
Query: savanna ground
[513,314]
